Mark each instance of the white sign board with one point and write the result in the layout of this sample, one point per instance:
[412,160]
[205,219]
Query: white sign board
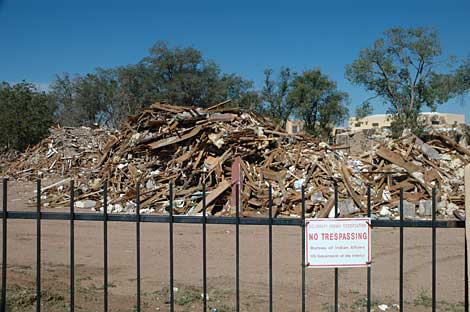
[332,243]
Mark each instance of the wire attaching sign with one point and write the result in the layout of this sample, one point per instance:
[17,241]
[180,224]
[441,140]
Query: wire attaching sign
[332,243]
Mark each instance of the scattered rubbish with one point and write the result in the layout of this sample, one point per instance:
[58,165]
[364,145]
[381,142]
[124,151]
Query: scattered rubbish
[382,307]
[189,147]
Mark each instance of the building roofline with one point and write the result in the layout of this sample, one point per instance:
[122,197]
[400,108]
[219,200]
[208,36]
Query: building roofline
[422,113]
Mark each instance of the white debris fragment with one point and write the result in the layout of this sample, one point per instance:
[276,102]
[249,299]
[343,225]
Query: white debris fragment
[382,307]
[85,204]
[298,184]
[384,211]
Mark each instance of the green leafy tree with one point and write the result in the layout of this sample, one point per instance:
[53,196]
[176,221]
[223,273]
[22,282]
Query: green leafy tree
[401,68]
[237,89]
[318,102]
[275,93]
[363,110]
[62,91]
[185,77]
[81,101]
[26,115]
[462,76]
[180,76]
[131,88]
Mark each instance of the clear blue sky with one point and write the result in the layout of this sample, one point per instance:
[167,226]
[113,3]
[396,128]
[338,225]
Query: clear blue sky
[39,39]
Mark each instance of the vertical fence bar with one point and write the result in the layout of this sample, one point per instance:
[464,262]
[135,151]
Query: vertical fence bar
[270,239]
[172,298]
[72,246]
[137,242]
[237,243]
[105,245]
[204,248]
[401,251]
[434,249]
[303,247]
[4,247]
[466,276]
[38,245]
[369,269]
[336,269]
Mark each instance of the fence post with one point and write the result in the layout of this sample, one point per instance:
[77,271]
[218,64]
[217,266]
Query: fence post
[3,306]
[72,246]
[38,245]
[467,226]
[105,245]
[137,238]
[170,239]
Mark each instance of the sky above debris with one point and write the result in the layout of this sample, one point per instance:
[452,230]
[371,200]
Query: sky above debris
[39,39]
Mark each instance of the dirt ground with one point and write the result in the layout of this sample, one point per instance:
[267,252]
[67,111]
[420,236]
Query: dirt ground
[221,267]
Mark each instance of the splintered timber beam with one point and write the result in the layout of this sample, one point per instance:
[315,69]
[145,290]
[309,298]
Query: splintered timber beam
[174,139]
[410,168]
[214,194]
[350,189]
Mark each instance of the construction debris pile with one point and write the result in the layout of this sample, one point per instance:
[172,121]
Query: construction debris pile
[223,147]
[417,167]
[66,152]
[6,158]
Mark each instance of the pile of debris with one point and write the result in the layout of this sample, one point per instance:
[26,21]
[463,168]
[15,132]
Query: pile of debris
[6,157]
[356,142]
[223,147]
[188,147]
[66,152]
[417,167]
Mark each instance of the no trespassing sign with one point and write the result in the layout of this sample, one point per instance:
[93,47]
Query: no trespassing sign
[332,243]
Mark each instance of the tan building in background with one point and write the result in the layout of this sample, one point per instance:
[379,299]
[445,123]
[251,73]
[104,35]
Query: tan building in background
[369,122]
[443,119]
[378,121]
[295,126]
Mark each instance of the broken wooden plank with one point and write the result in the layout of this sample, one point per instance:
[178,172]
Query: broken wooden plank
[174,139]
[214,194]
[349,188]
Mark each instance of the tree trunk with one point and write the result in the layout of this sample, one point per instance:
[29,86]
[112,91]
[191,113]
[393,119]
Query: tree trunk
[315,112]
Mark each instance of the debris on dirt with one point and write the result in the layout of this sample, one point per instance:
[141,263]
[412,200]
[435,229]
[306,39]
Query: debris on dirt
[66,152]
[6,158]
[222,147]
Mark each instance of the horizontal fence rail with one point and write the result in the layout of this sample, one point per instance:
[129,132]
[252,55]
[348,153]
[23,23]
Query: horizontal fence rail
[28,215]
[204,220]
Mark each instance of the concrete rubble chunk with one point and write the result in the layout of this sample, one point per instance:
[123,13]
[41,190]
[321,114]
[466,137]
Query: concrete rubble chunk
[451,207]
[85,204]
[385,211]
[425,208]
[430,152]
[150,184]
[347,207]
[409,210]
[317,198]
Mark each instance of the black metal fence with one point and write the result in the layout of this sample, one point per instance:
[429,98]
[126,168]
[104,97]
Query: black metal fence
[203,220]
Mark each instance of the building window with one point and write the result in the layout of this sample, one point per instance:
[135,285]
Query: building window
[375,124]
[435,121]
[294,129]
[358,124]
